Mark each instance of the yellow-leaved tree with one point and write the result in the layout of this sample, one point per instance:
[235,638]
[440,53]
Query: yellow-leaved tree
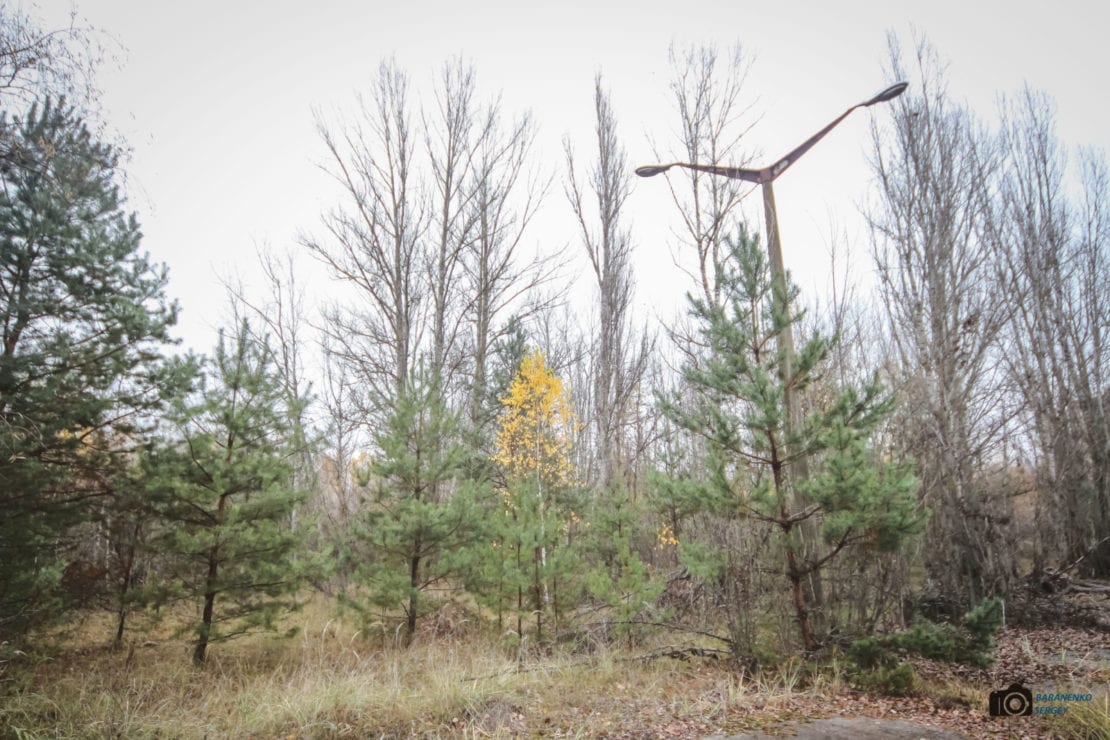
[534,438]
[533,452]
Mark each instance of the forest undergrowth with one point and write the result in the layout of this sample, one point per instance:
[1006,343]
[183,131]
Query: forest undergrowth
[332,681]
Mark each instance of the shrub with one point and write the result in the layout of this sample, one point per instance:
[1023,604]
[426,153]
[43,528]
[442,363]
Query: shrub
[876,658]
[868,653]
[893,680]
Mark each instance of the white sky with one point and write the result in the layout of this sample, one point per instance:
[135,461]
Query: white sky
[217,102]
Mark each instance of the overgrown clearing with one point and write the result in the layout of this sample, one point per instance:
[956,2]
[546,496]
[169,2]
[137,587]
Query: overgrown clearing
[330,681]
[516,508]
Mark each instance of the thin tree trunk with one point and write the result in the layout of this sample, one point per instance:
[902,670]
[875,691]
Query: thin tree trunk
[414,584]
[200,651]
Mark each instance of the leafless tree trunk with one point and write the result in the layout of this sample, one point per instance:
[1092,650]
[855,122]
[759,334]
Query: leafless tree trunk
[376,238]
[337,485]
[711,122]
[710,118]
[504,196]
[619,358]
[937,277]
[451,137]
[282,315]
[1057,282]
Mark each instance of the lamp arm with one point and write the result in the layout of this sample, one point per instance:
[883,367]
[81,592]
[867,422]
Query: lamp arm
[735,173]
[767,174]
[780,166]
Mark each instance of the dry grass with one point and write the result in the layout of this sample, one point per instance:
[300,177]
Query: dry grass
[1088,720]
[327,682]
[331,681]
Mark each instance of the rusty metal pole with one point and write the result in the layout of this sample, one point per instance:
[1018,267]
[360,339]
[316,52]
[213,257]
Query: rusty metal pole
[799,467]
[786,337]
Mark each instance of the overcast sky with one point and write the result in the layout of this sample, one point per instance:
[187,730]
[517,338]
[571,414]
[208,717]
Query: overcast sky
[217,102]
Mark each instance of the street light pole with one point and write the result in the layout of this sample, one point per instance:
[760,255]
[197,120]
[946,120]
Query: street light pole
[767,175]
[764,177]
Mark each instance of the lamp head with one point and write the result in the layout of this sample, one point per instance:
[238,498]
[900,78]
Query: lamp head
[889,94]
[652,170]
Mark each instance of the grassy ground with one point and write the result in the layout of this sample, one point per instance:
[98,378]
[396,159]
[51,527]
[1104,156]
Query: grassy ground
[330,682]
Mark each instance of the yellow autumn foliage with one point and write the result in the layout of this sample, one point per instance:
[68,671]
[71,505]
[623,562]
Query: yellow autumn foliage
[85,438]
[536,426]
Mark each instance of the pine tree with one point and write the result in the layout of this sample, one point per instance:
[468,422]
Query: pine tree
[738,408]
[507,353]
[621,579]
[128,518]
[83,318]
[225,491]
[420,511]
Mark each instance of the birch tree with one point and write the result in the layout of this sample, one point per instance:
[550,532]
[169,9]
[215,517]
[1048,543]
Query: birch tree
[534,453]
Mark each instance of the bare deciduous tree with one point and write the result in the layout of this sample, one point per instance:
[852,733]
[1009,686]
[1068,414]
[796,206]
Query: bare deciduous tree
[712,119]
[375,239]
[35,62]
[337,487]
[504,195]
[452,135]
[937,277]
[1057,281]
[429,236]
[619,356]
[281,316]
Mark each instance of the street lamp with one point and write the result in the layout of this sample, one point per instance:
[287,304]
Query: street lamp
[768,174]
[765,177]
